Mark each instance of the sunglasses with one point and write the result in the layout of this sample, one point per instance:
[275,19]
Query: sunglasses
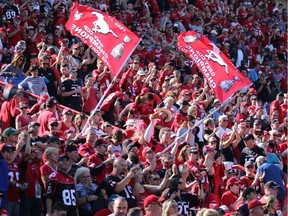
[76,48]
[54,125]
[136,62]
[22,108]
[180,182]
[45,63]
[191,152]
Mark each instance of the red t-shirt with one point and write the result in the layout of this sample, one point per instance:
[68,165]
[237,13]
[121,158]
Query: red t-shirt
[43,120]
[228,198]
[86,150]
[94,161]
[8,110]
[24,121]
[91,102]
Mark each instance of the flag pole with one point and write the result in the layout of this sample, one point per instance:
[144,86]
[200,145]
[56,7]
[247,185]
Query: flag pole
[197,124]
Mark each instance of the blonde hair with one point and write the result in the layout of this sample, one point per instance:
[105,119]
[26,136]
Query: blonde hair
[166,206]
[269,200]
[49,151]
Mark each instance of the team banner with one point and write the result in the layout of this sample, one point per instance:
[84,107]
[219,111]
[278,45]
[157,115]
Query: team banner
[223,77]
[112,42]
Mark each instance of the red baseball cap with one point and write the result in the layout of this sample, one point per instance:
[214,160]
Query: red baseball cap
[254,203]
[185,92]
[233,180]
[145,150]
[195,93]
[150,199]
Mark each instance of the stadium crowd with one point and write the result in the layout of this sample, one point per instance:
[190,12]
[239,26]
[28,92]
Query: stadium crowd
[70,160]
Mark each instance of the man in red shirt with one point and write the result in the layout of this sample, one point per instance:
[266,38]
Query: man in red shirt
[276,105]
[98,163]
[102,76]
[87,149]
[90,95]
[46,115]
[231,197]
[15,31]
[152,206]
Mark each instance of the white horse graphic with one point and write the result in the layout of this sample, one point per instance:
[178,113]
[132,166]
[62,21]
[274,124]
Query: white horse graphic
[101,26]
[215,56]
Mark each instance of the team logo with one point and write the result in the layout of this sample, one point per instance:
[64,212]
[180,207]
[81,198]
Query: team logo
[77,15]
[101,26]
[214,55]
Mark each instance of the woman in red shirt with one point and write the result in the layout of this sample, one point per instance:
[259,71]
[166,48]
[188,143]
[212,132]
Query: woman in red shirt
[23,119]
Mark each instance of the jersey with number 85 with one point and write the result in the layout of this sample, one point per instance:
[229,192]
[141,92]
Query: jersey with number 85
[61,188]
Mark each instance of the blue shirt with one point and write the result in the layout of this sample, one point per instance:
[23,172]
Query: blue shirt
[272,173]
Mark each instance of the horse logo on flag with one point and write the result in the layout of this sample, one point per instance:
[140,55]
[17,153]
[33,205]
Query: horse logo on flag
[214,55]
[101,26]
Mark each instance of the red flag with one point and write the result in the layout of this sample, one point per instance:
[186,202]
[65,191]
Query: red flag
[112,42]
[223,77]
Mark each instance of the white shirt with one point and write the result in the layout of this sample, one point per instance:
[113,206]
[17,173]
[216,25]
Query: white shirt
[222,131]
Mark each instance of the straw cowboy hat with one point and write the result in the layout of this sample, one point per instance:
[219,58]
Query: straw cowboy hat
[168,112]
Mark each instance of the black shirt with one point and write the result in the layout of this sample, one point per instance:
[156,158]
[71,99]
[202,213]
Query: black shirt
[111,182]
[73,101]
[49,77]
[186,202]
[251,154]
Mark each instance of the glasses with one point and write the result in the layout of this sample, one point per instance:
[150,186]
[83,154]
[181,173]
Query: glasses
[22,108]
[180,182]
[54,125]
[76,48]
[68,114]
[191,152]
[136,62]
[225,120]
[174,206]
[250,167]
[45,63]
[42,26]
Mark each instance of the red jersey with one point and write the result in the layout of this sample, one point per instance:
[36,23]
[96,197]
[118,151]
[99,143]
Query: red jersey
[228,198]
[275,105]
[30,173]
[17,37]
[13,176]
[43,120]
[46,170]
[94,162]
[86,150]
[8,110]
[91,102]
[246,182]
